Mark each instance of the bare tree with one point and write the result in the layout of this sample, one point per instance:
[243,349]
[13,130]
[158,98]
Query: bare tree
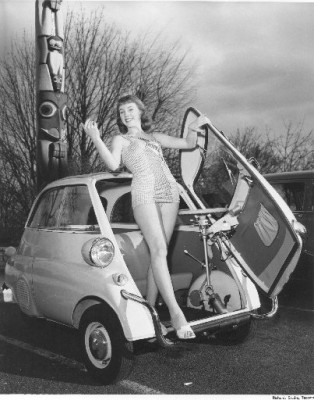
[17,116]
[291,151]
[102,63]
[261,147]
[295,149]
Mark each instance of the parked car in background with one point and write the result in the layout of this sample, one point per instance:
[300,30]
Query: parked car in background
[297,189]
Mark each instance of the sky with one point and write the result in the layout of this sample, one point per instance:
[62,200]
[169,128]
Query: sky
[255,60]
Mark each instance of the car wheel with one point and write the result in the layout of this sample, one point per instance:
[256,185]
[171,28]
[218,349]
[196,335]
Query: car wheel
[238,335]
[108,356]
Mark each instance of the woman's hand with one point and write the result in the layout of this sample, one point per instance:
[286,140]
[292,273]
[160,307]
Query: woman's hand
[111,159]
[197,124]
[90,127]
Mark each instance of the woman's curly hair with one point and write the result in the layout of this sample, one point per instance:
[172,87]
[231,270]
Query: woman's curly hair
[146,121]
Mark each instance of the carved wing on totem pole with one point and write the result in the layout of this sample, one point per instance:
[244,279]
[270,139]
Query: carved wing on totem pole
[51,99]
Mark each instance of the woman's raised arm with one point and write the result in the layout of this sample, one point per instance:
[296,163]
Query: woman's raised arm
[111,158]
[189,142]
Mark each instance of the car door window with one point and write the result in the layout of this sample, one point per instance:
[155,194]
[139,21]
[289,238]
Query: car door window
[48,209]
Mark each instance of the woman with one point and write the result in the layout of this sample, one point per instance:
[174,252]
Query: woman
[155,196]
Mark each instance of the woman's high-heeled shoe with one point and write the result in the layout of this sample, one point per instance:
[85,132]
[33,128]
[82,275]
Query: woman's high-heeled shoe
[185,332]
[182,328]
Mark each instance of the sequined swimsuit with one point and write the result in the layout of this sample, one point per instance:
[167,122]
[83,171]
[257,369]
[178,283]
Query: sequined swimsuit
[152,180]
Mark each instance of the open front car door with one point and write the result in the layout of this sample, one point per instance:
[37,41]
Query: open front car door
[257,227]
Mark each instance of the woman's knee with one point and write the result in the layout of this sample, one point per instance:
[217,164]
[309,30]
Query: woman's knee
[159,250]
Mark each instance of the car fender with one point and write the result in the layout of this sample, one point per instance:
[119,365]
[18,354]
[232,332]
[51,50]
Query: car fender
[135,319]
[81,307]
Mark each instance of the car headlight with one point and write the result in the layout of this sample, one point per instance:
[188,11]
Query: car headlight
[98,252]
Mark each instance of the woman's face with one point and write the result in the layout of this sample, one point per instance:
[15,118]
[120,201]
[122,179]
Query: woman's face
[130,115]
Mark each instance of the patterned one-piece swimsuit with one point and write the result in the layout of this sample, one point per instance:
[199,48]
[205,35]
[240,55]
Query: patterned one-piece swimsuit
[152,180]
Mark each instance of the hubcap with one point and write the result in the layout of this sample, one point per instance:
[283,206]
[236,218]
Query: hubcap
[98,344]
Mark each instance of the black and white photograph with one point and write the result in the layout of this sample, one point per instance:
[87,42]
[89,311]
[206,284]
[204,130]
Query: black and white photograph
[157,198]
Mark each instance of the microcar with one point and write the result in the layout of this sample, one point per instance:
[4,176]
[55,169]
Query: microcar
[82,260]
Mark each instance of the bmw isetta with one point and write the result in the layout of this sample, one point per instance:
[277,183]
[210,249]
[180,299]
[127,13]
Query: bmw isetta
[82,260]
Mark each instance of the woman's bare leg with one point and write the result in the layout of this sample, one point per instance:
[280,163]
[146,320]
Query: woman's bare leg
[152,289]
[168,212]
[150,220]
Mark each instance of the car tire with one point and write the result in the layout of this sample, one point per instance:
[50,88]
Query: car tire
[238,335]
[107,355]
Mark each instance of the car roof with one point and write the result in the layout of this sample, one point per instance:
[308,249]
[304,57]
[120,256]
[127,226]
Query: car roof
[88,178]
[308,174]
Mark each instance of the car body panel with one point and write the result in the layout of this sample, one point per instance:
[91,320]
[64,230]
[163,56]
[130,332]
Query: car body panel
[61,278]
[264,239]
[266,242]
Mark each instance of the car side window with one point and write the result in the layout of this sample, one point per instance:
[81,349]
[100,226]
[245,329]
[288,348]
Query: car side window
[77,207]
[64,208]
[48,209]
[293,193]
[122,210]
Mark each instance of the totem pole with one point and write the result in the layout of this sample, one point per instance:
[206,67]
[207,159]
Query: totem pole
[50,96]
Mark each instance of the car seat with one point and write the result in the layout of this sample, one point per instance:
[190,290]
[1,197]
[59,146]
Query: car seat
[137,258]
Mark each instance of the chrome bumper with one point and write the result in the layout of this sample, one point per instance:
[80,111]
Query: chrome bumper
[271,313]
[215,325]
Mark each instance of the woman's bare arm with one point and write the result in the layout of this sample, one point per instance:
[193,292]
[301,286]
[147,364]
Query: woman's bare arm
[111,158]
[189,142]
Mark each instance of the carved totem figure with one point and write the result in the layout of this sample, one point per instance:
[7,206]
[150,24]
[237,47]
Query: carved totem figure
[51,99]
